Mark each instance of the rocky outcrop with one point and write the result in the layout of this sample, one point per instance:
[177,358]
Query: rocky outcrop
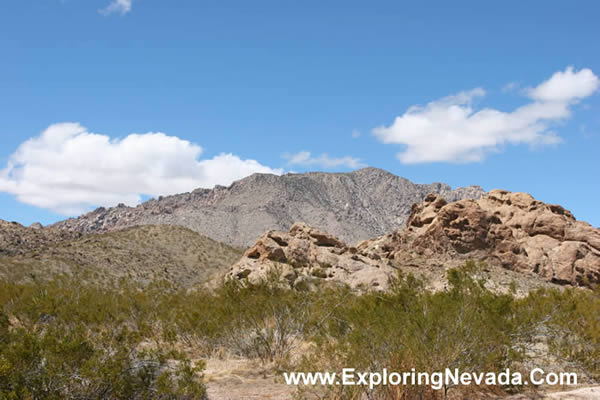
[352,206]
[512,231]
[304,254]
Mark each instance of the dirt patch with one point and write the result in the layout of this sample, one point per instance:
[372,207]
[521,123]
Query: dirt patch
[244,380]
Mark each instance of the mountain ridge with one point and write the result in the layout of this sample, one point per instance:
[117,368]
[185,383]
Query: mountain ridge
[354,206]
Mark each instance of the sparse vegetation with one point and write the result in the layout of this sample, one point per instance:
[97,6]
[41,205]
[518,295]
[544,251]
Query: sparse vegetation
[143,254]
[61,338]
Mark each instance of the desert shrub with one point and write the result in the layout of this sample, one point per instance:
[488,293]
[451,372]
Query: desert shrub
[63,362]
[465,327]
[266,320]
[64,338]
[568,321]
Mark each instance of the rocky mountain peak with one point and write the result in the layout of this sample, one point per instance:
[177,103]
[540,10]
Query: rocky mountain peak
[353,206]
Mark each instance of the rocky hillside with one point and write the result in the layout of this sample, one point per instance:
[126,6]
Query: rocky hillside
[139,254]
[521,240]
[353,206]
[18,239]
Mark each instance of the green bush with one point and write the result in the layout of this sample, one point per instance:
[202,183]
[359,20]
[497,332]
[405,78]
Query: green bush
[68,341]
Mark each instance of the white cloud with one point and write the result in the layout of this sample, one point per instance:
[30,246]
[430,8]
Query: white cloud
[355,134]
[566,86]
[452,130]
[117,6]
[69,170]
[305,158]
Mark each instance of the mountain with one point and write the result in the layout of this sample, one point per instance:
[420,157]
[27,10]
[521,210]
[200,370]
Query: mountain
[140,254]
[353,206]
[521,240]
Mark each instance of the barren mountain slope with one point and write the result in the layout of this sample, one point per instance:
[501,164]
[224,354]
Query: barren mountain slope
[353,206]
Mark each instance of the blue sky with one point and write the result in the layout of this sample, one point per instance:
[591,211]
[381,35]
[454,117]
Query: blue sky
[459,92]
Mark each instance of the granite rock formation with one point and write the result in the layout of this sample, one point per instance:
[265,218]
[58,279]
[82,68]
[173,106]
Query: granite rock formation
[509,231]
[304,253]
[352,206]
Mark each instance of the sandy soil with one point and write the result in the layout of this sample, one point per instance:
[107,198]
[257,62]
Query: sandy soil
[234,379]
[590,393]
[243,380]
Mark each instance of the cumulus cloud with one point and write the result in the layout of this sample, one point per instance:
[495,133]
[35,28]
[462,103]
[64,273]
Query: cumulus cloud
[117,6]
[566,86]
[305,158]
[69,170]
[452,130]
